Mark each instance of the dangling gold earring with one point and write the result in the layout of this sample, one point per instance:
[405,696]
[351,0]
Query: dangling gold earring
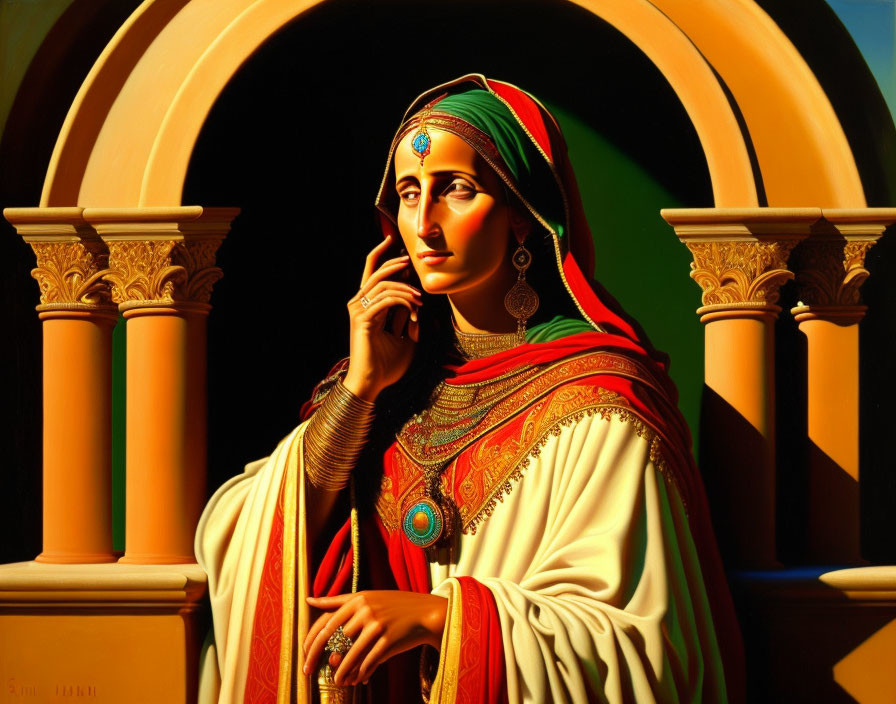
[521,301]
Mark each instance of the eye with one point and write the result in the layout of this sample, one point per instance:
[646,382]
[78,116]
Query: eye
[460,189]
[409,195]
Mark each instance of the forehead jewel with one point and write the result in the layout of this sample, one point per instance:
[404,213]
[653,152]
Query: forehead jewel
[421,141]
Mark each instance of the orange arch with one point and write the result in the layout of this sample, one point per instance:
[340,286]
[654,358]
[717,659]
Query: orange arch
[129,134]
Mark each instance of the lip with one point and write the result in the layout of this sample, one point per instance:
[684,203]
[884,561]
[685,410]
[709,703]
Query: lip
[432,257]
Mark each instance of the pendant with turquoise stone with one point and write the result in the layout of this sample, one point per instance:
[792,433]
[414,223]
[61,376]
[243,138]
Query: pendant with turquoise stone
[423,522]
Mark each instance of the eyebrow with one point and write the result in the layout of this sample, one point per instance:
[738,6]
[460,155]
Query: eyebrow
[440,174]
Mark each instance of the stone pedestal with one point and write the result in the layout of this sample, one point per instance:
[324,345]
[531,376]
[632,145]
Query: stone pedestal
[100,633]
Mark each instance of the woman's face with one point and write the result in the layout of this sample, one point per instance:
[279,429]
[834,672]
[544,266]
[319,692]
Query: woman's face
[453,217]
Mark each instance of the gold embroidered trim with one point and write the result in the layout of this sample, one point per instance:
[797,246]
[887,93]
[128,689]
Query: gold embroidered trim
[462,413]
[444,688]
[471,134]
[612,405]
[290,498]
[642,429]
[356,539]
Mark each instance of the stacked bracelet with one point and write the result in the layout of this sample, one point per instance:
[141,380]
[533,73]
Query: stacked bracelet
[335,436]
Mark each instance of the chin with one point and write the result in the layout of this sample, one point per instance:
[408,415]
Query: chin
[439,283]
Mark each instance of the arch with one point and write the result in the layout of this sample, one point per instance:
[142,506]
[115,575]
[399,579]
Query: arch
[113,128]
[802,150]
[670,50]
[129,134]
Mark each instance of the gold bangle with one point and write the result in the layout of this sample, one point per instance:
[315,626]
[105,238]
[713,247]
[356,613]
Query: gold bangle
[335,437]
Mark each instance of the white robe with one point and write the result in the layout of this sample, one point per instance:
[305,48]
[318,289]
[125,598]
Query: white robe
[589,558]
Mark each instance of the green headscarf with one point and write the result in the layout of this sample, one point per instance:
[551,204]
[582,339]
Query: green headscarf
[484,111]
[487,113]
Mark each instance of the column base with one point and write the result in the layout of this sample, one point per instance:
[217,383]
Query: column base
[156,559]
[838,315]
[75,558]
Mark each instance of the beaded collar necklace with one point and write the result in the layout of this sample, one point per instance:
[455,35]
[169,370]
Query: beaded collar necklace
[472,345]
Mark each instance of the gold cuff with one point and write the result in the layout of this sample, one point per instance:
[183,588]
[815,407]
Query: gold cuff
[336,434]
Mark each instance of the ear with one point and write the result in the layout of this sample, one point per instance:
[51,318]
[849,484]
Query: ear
[520,224]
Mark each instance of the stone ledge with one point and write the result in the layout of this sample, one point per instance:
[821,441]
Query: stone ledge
[852,584]
[27,584]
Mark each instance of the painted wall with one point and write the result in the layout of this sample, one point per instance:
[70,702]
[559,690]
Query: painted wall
[872,25]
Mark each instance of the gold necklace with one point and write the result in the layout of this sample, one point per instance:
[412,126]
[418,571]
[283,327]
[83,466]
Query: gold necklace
[473,345]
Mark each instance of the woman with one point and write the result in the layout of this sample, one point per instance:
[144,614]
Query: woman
[522,499]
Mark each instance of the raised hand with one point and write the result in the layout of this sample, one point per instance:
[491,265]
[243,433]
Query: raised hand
[379,354]
[381,624]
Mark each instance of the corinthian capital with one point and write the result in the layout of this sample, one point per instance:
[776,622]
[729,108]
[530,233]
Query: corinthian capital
[829,271]
[740,273]
[149,271]
[71,259]
[161,256]
[741,254]
[830,265]
[71,274]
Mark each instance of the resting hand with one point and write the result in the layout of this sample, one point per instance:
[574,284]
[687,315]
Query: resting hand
[379,355]
[381,624]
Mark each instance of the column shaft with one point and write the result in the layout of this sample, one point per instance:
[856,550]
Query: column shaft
[166,443]
[739,367]
[77,501]
[833,440]
[738,420]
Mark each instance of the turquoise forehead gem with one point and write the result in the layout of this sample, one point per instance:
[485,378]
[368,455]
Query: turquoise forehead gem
[424,535]
[420,143]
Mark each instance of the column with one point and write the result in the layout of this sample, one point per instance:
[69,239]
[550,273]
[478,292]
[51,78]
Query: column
[161,270]
[740,262]
[830,268]
[78,317]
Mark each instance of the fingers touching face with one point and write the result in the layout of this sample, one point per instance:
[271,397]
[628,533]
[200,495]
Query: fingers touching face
[452,216]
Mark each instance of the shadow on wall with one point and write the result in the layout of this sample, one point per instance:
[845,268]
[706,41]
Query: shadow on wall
[728,468]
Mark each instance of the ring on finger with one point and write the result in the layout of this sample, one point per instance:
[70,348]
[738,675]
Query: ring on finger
[339,642]
[365,302]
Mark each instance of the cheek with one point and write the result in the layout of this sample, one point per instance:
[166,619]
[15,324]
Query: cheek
[468,225]
[485,238]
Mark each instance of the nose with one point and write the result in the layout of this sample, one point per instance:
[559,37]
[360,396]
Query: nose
[427,220]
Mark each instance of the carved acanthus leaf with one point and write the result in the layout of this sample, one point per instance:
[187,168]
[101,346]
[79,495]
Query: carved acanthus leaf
[831,271]
[162,271]
[142,271]
[740,272]
[71,272]
[198,258]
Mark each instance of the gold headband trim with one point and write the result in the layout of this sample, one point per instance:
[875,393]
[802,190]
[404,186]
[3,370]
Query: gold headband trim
[475,137]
